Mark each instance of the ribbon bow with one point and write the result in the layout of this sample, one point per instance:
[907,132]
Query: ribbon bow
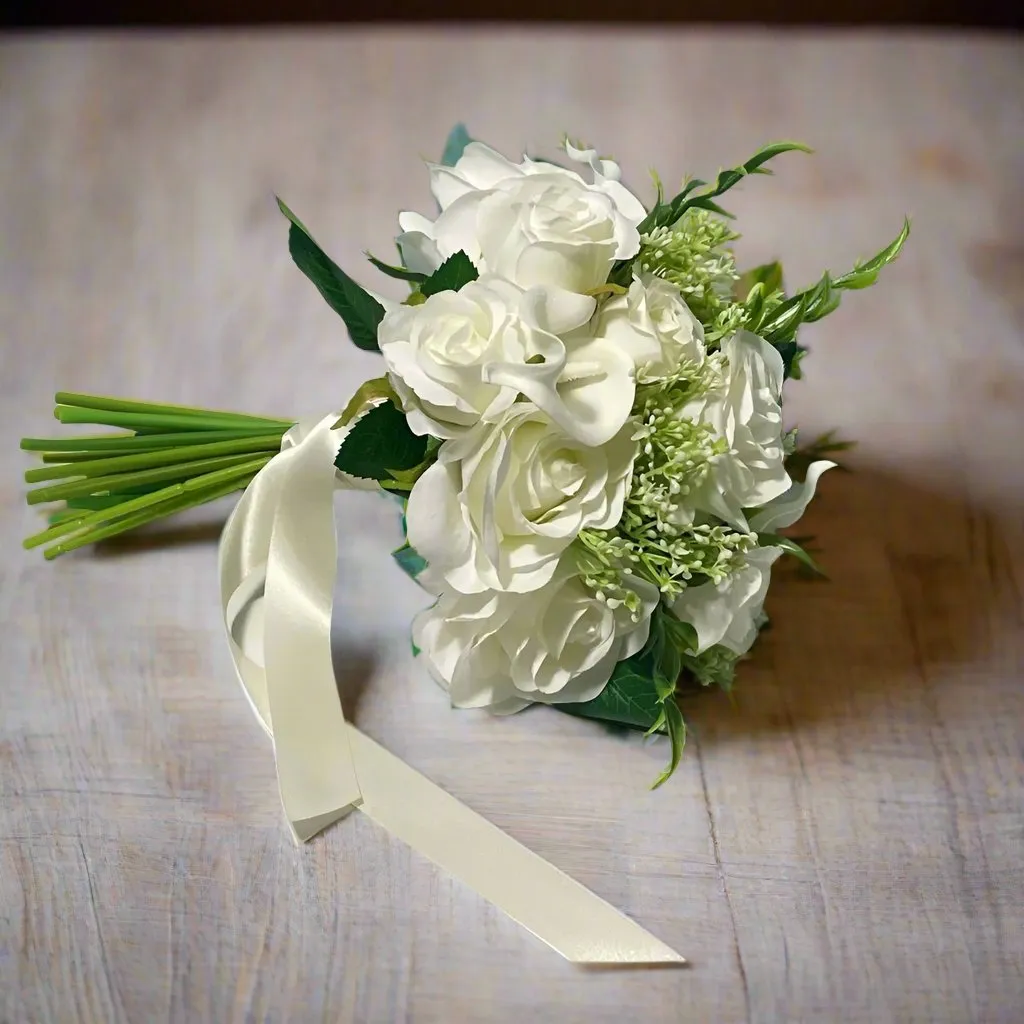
[278,561]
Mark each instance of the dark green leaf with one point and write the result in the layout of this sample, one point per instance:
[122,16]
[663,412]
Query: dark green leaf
[380,442]
[361,312]
[631,696]
[458,139]
[456,271]
[409,560]
[398,273]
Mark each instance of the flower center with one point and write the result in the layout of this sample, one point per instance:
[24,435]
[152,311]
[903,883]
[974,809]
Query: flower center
[457,344]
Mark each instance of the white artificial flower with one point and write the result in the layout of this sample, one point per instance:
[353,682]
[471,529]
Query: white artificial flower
[786,509]
[465,356]
[744,409]
[727,613]
[533,223]
[503,651]
[653,325]
[503,502]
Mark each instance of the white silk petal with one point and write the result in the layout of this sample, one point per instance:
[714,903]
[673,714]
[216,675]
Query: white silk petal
[786,509]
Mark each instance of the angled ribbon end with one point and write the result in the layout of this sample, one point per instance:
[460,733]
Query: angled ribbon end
[306,828]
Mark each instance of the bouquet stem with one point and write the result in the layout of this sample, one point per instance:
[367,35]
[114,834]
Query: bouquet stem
[168,458]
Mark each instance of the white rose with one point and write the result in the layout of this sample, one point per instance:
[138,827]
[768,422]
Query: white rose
[653,325]
[727,613]
[533,223]
[501,504]
[745,410]
[503,651]
[460,357]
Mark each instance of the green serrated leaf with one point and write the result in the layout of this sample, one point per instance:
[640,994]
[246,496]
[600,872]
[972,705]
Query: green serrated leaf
[677,737]
[409,560]
[458,139]
[361,312]
[631,696]
[453,274]
[398,273]
[368,391]
[380,442]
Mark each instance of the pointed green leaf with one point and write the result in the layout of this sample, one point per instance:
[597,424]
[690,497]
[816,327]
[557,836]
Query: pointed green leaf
[665,214]
[380,442]
[361,312]
[791,547]
[398,273]
[677,737]
[368,391]
[456,271]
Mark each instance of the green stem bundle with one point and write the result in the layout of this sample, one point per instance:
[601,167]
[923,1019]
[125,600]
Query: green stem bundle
[168,458]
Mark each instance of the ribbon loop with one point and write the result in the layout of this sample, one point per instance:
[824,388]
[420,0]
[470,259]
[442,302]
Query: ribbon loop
[278,561]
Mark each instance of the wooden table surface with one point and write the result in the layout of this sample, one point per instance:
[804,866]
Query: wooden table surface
[845,844]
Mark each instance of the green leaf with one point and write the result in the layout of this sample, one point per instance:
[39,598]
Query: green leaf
[665,214]
[458,139]
[379,442]
[456,271]
[368,391]
[791,547]
[677,737]
[361,312]
[865,274]
[767,274]
[680,634]
[631,695]
[409,560]
[778,323]
[398,273]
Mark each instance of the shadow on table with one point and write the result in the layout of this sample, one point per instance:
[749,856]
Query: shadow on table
[921,596]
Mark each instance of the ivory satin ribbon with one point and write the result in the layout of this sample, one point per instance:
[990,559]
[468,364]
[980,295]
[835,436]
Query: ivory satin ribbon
[278,560]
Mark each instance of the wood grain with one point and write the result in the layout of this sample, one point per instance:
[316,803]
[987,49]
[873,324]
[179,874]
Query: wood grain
[846,843]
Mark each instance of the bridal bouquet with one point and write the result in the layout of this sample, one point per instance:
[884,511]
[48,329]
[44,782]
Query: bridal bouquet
[579,411]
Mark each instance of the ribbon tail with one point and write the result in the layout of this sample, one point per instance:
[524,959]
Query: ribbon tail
[278,560]
[555,908]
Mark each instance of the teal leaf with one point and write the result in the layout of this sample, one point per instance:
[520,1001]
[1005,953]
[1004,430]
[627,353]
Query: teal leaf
[458,139]
[379,442]
[409,560]
[398,273]
[361,312]
[456,271]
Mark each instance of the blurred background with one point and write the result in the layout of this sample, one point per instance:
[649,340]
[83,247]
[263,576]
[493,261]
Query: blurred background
[803,12]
